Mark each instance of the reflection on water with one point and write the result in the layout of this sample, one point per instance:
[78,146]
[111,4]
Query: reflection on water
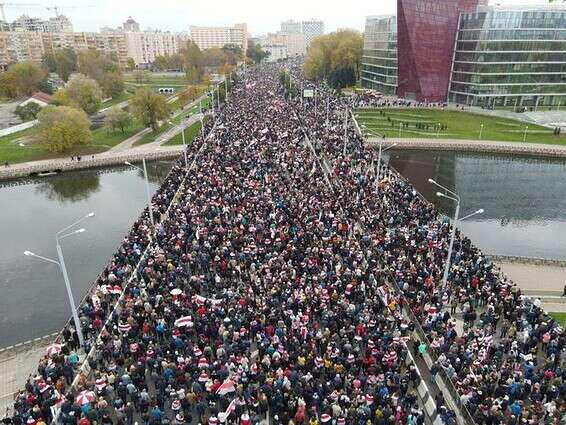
[64,189]
[33,300]
[524,198]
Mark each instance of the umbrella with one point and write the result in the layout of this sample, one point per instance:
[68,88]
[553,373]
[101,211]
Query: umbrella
[176,291]
[53,349]
[84,397]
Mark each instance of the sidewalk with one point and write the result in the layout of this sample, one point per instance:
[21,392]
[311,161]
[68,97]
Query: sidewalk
[479,146]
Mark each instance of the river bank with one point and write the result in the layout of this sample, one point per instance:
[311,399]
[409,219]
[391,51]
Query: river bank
[474,146]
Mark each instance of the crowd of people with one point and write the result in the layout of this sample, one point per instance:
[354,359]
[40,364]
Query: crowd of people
[508,364]
[273,284]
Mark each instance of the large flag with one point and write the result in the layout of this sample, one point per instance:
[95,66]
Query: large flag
[227,387]
[222,416]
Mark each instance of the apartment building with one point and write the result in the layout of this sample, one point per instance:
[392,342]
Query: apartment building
[144,46]
[208,37]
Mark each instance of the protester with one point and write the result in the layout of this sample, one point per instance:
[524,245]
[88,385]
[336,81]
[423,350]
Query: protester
[274,284]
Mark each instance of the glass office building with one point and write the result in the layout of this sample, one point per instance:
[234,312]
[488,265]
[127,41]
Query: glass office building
[510,57]
[426,33]
[379,60]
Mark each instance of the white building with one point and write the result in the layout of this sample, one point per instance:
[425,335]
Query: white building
[58,24]
[208,37]
[295,44]
[144,46]
[312,29]
[276,52]
[291,27]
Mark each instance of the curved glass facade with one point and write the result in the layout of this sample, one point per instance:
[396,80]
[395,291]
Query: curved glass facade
[379,60]
[510,57]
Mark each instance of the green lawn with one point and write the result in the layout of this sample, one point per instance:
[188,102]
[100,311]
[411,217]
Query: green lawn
[560,317]
[115,100]
[459,125]
[101,137]
[190,133]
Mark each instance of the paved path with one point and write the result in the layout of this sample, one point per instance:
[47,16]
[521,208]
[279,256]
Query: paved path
[480,146]
[15,367]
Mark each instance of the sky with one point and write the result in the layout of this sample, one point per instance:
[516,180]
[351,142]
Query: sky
[262,16]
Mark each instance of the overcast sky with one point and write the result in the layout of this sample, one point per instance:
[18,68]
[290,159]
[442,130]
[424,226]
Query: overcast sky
[262,16]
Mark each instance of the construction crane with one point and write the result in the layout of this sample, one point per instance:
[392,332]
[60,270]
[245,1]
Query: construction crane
[3,13]
[56,8]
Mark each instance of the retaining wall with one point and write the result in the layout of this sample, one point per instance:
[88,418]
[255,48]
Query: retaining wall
[101,160]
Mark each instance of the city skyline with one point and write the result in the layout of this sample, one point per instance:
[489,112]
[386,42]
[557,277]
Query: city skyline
[260,19]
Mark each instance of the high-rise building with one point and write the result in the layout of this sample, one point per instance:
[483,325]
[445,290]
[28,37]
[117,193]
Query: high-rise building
[291,27]
[510,56]
[208,37]
[426,31]
[130,25]
[144,46]
[379,60]
[311,30]
[24,23]
[295,44]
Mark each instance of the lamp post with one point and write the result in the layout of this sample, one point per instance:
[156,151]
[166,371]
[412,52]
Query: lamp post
[480,211]
[400,130]
[525,135]
[148,192]
[481,130]
[381,150]
[61,263]
[453,196]
[184,146]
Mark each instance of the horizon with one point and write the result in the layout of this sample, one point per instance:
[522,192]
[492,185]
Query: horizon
[260,19]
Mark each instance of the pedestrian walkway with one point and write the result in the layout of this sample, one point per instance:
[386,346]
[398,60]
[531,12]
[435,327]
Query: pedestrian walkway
[480,146]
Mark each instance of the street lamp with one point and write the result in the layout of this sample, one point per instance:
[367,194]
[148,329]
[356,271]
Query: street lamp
[144,170]
[481,130]
[381,150]
[525,135]
[61,263]
[184,146]
[453,196]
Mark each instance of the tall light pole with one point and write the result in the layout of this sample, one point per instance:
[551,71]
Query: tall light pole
[148,192]
[381,150]
[480,211]
[61,263]
[226,87]
[525,135]
[453,196]
[184,145]
[481,130]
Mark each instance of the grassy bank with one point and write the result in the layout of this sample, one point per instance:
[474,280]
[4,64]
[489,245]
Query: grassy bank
[560,317]
[448,124]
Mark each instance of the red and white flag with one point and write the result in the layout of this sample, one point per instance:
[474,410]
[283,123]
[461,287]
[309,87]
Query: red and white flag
[222,416]
[227,387]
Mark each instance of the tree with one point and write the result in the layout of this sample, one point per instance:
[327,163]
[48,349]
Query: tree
[28,112]
[61,127]
[334,53]
[112,84]
[255,52]
[116,118]
[142,77]
[92,64]
[131,64]
[341,77]
[8,87]
[81,92]
[149,107]
[61,61]
[192,62]
[160,63]
[27,77]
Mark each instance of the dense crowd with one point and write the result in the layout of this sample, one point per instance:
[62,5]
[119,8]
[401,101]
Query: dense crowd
[273,285]
[508,364]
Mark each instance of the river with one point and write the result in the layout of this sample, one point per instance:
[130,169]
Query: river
[33,299]
[524,198]
[524,201]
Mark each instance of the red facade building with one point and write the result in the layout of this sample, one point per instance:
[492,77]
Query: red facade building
[426,34]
